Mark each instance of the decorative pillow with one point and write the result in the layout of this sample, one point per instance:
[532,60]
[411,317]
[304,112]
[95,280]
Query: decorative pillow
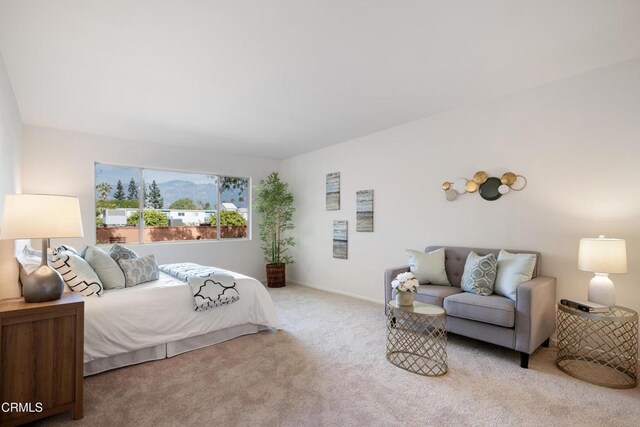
[77,273]
[27,264]
[119,252]
[428,267]
[62,248]
[139,270]
[107,269]
[479,274]
[513,269]
[28,252]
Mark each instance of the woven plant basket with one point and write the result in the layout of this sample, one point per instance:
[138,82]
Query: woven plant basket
[276,275]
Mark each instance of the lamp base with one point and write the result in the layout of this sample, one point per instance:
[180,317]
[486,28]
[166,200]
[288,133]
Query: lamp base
[44,284]
[601,290]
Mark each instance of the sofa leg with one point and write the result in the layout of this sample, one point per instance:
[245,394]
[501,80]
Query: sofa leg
[524,360]
[546,343]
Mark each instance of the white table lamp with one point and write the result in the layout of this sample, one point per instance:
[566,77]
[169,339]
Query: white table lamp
[602,256]
[41,216]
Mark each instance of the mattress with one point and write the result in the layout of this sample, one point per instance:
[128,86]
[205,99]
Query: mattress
[162,311]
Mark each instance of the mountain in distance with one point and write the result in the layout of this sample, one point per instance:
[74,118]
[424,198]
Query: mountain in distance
[206,193]
[178,189]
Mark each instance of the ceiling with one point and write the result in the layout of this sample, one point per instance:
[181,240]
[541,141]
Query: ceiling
[278,78]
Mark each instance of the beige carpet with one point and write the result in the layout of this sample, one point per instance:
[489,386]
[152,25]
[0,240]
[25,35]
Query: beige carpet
[327,367]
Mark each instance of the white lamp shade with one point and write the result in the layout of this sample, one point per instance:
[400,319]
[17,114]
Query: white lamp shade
[601,255]
[40,216]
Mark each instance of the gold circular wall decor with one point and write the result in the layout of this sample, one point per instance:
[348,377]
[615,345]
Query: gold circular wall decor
[519,183]
[446,185]
[508,178]
[480,177]
[471,186]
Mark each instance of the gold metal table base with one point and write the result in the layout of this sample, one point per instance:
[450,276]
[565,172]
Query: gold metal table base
[600,348]
[417,338]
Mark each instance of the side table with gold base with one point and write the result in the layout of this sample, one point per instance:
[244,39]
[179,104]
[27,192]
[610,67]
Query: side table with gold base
[417,338]
[600,348]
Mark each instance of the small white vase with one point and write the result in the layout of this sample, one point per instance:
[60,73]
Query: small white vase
[404,299]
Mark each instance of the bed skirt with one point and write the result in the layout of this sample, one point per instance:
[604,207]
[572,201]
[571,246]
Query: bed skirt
[170,349]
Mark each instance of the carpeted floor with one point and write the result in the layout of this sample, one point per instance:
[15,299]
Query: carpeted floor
[327,367]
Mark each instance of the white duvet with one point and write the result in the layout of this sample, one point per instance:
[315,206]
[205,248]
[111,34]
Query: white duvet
[124,320]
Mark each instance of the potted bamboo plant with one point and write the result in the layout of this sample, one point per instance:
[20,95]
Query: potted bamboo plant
[274,202]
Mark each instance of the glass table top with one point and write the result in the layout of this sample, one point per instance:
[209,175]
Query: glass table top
[419,308]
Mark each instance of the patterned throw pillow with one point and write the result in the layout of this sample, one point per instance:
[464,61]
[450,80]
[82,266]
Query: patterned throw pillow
[479,274]
[77,273]
[139,270]
[119,252]
[62,248]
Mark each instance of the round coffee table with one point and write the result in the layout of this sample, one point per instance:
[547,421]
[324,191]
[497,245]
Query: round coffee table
[417,338]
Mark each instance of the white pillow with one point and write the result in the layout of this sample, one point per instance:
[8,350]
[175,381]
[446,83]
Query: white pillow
[107,269]
[62,248]
[28,251]
[77,273]
[428,267]
[29,262]
[513,269]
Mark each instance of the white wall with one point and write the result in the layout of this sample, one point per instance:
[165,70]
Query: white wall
[61,162]
[577,141]
[10,151]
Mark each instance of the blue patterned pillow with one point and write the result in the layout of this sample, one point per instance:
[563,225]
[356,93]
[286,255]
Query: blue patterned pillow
[119,252]
[479,274]
[139,270]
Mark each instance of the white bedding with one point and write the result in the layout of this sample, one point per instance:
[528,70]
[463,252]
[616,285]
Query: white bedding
[125,320]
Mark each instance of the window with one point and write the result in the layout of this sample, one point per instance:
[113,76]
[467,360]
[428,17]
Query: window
[136,205]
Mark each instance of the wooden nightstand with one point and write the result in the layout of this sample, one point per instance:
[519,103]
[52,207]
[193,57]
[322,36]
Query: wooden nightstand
[41,358]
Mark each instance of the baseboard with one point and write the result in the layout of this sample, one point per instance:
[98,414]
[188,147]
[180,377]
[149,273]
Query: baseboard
[333,291]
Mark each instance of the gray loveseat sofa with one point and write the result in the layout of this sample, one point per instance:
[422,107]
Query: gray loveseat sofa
[523,325]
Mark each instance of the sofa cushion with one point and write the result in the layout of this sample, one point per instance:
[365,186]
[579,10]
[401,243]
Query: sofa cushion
[493,309]
[513,269]
[456,257]
[428,267]
[479,274]
[434,294]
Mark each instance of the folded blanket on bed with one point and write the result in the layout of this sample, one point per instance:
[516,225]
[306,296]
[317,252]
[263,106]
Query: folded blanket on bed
[211,286]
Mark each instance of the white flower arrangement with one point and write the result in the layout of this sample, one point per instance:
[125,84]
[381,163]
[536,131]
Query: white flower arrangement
[405,282]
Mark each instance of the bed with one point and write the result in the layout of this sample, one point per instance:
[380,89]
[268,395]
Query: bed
[156,320]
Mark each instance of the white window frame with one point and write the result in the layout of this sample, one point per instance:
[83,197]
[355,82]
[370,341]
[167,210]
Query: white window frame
[141,204]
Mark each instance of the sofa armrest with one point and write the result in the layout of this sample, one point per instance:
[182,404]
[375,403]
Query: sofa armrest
[535,313]
[389,275]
